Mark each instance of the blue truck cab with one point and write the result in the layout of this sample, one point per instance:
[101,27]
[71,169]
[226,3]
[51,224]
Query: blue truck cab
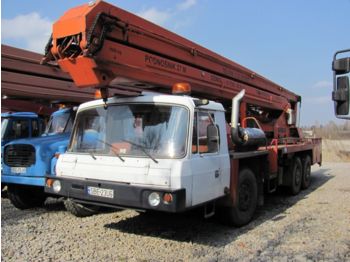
[27,161]
[17,125]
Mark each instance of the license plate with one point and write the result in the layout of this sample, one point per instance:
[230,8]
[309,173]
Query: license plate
[18,170]
[100,192]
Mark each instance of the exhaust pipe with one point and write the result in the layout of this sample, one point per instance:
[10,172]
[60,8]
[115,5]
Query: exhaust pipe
[244,138]
[236,139]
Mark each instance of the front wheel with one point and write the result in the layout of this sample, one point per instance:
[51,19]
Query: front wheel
[247,196]
[24,197]
[80,210]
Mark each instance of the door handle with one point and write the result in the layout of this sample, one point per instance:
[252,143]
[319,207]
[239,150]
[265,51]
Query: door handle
[217,173]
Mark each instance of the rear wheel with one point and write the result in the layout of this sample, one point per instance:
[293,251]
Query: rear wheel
[80,210]
[24,197]
[247,195]
[296,173]
[306,172]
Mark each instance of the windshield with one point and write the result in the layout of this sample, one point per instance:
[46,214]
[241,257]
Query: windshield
[14,128]
[4,124]
[60,123]
[145,130]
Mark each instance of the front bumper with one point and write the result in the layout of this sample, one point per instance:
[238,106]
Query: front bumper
[125,196]
[23,180]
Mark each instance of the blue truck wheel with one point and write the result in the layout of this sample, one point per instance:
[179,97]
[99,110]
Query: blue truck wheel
[24,197]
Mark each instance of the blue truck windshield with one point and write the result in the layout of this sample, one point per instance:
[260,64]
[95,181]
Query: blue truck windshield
[60,123]
[4,124]
[132,130]
[14,128]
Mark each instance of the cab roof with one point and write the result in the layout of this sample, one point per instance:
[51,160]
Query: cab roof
[147,97]
[19,114]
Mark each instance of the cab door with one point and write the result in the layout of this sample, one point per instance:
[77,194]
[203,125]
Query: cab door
[205,162]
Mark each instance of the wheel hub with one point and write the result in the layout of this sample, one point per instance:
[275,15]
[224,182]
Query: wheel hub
[245,193]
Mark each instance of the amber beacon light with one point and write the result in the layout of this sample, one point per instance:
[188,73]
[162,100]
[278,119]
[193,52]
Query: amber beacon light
[181,89]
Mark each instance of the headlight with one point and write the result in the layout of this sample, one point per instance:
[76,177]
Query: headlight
[154,199]
[56,186]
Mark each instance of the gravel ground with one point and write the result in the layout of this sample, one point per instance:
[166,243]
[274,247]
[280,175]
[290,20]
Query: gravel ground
[313,226]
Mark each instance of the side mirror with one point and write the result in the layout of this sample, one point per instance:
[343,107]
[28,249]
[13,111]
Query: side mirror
[213,138]
[341,66]
[341,96]
[341,89]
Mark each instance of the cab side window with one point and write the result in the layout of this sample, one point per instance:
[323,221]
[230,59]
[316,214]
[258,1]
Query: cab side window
[200,143]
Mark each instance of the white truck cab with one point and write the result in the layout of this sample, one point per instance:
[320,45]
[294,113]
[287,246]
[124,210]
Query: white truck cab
[151,151]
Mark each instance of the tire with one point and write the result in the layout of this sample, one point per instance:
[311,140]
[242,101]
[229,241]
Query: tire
[305,183]
[296,174]
[80,210]
[247,197]
[24,197]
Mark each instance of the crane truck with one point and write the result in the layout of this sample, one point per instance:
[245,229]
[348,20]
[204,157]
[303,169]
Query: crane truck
[341,84]
[178,126]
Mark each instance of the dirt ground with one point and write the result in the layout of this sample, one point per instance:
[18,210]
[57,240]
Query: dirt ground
[312,226]
[336,150]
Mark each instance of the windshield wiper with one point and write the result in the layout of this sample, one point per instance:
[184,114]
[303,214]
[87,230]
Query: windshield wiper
[92,154]
[112,148]
[142,148]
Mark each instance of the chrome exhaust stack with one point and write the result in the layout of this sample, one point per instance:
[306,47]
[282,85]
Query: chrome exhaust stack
[244,137]
[236,139]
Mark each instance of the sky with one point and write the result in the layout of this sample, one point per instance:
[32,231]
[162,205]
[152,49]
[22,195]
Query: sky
[290,42]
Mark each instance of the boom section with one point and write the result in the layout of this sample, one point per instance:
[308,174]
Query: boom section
[101,45]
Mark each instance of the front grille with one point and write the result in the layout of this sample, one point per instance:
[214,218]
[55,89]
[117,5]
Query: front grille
[19,155]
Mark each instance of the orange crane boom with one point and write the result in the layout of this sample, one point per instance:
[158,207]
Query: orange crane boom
[91,32]
[101,45]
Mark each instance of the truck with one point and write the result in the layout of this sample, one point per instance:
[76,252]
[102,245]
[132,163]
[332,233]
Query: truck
[178,126]
[16,125]
[341,83]
[27,161]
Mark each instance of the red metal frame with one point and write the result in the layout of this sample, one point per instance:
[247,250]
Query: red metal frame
[27,84]
[9,105]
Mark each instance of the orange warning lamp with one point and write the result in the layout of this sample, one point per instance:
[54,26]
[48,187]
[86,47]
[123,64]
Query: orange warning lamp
[98,94]
[49,182]
[181,89]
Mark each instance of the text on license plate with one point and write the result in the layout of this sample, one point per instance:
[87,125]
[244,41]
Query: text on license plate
[101,192]
[18,170]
